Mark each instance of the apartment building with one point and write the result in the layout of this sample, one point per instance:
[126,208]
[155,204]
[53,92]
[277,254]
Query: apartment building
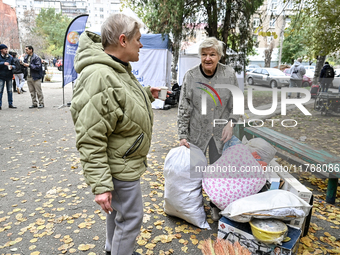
[98,10]
[273,16]
[9,34]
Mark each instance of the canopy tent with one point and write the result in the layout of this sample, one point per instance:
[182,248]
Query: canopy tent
[189,58]
[154,65]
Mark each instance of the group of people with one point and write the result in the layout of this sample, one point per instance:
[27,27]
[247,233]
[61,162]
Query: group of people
[113,120]
[31,67]
[297,71]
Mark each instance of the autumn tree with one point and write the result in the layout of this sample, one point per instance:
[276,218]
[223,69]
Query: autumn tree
[167,17]
[52,27]
[297,39]
[323,32]
[28,35]
[229,21]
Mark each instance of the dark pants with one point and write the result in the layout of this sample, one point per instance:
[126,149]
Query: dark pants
[9,90]
[325,86]
[213,151]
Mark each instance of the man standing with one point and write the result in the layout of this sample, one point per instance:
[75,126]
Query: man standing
[297,72]
[326,77]
[6,75]
[34,74]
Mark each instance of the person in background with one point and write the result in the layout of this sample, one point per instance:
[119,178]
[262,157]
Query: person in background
[113,120]
[326,77]
[6,75]
[14,84]
[296,75]
[34,74]
[44,69]
[18,74]
[193,126]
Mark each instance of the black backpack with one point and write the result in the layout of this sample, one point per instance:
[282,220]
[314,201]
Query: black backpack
[329,72]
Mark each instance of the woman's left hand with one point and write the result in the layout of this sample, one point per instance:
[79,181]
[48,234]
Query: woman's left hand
[227,132]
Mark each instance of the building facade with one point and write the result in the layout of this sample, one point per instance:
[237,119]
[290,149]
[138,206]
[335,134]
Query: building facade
[273,17]
[9,33]
[98,10]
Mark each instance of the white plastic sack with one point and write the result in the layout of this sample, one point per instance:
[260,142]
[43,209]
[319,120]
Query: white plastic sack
[268,202]
[265,150]
[182,193]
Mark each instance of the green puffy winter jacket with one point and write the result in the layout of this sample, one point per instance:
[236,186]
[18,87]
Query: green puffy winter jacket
[112,115]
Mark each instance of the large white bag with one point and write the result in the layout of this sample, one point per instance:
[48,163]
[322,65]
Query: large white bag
[264,149]
[277,204]
[183,193]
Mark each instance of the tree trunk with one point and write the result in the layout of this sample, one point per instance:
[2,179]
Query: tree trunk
[226,28]
[211,8]
[175,49]
[268,54]
[319,64]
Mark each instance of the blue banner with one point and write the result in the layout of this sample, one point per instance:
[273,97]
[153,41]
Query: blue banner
[74,30]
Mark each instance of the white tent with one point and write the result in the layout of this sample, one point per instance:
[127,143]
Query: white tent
[154,65]
[189,58]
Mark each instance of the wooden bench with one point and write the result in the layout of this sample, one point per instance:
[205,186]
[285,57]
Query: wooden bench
[300,150]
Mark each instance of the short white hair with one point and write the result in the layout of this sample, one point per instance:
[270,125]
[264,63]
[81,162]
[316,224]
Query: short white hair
[117,24]
[211,42]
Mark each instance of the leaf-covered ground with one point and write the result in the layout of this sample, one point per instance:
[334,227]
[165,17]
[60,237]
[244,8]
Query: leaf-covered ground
[46,207]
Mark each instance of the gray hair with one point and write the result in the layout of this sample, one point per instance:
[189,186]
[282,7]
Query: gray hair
[211,42]
[300,60]
[117,24]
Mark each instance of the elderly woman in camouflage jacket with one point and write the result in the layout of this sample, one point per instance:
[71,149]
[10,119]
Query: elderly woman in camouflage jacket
[197,126]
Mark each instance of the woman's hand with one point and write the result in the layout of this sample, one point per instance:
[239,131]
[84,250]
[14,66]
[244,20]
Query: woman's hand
[155,91]
[104,200]
[227,132]
[184,142]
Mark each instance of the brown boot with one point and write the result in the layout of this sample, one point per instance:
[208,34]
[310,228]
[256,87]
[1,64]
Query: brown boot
[18,90]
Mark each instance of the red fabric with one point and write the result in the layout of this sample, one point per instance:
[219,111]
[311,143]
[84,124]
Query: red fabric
[262,163]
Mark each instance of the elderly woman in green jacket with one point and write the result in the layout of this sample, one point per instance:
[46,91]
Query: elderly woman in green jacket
[113,121]
[195,126]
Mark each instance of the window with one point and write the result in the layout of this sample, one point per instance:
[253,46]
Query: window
[256,22]
[24,7]
[265,72]
[288,20]
[270,39]
[258,70]
[272,22]
[289,4]
[101,16]
[273,5]
[101,9]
